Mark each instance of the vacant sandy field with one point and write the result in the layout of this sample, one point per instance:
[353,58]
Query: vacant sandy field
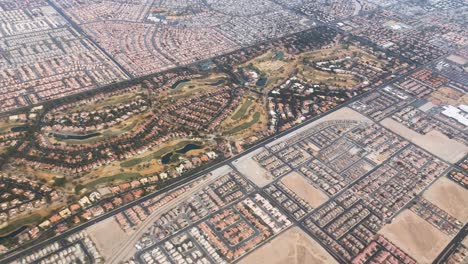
[434,141]
[291,247]
[465,241]
[250,168]
[450,197]
[447,95]
[457,59]
[298,184]
[107,234]
[426,107]
[415,236]
[219,172]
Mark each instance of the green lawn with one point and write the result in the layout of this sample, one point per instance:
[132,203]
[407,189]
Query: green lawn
[120,176]
[241,112]
[158,154]
[239,128]
[131,163]
[13,226]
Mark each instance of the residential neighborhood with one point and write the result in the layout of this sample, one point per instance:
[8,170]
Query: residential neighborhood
[233,131]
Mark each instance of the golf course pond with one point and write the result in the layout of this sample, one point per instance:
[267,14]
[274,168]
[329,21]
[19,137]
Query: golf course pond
[166,159]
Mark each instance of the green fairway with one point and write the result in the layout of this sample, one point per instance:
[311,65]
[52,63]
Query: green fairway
[244,126]
[120,176]
[241,112]
[18,223]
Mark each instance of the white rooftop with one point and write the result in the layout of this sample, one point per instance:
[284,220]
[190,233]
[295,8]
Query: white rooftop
[460,114]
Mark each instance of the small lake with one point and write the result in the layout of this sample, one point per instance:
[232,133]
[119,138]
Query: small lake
[188,148]
[219,82]
[166,159]
[19,129]
[261,82]
[279,55]
[78,137]
[208,65]
[179,82]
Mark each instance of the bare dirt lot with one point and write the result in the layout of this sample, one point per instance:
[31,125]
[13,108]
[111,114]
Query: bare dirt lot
[107,234]
[250,168]
[291,247]
[447,95]
[450,197]
[298,184]
[465,241]
[457,59]
[434,141]
[415,236]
